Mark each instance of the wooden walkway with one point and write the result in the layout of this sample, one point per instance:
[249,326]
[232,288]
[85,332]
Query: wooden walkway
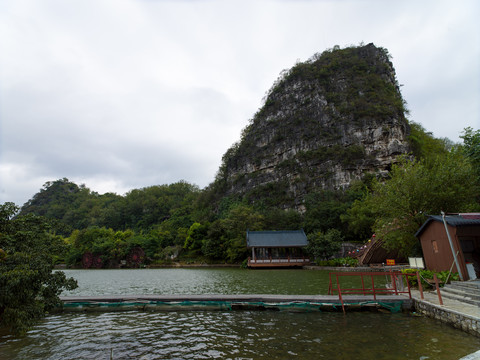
[232,302]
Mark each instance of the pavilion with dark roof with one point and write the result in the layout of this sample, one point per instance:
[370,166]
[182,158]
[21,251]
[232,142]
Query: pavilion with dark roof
[283,248]
[464,234]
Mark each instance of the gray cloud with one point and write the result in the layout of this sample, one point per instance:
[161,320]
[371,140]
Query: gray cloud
[129,93]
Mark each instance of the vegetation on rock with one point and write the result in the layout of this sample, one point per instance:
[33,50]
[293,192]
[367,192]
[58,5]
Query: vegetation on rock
[324,123]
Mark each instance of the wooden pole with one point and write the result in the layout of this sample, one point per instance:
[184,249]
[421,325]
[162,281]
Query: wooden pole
[438,289]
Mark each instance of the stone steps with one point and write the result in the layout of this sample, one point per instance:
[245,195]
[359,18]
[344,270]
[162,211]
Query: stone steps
[460,298]
[458,292]
[464,291]
[469,285]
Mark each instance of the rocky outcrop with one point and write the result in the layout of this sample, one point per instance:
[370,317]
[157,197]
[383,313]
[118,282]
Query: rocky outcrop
[325,123]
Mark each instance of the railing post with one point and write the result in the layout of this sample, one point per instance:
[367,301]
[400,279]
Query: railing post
[408,285]
[340,294]
[330,290]
[393,277]
[438,289]
[420,287]
[373,288]
[363,284]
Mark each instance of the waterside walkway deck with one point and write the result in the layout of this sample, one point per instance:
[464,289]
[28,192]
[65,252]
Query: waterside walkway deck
[456,313]
[232,302]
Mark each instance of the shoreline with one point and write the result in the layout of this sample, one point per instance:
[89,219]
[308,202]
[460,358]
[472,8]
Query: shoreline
[180,265]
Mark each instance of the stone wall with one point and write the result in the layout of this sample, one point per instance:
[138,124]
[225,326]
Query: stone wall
[458,320]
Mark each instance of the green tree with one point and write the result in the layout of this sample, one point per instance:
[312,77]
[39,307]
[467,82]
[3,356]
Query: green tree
[416,189]
[152,205]
[471,147]
[195,235]
[424,144]
[28,286]
[358,220]
[279,219]
[239,220]
[324,245]
[161,237]
[76,207]
[215,243]
[324,209]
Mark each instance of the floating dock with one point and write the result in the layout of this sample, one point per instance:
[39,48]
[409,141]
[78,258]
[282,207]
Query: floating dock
[297,303]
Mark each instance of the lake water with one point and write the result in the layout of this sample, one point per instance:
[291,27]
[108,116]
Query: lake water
[199,281]
[229,334]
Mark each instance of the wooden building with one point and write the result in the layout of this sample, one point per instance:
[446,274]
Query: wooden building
[277,248]
[464,230]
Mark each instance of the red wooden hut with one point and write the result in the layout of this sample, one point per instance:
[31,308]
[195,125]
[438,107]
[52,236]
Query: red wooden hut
[464,231]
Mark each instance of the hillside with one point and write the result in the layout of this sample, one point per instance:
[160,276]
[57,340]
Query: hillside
[334,119]
[325,122]
[77,207]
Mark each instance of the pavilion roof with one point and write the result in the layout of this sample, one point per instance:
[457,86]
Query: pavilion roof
[280,238]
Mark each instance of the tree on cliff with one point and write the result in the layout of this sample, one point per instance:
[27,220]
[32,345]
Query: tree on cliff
[324,122]
[423,144]
[28,287]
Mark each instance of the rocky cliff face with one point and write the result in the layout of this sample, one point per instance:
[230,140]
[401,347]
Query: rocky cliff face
[325,122]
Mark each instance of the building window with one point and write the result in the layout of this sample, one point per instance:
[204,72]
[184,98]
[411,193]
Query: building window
[435,246]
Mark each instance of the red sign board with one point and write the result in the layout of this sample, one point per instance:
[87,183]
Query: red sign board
[390,262]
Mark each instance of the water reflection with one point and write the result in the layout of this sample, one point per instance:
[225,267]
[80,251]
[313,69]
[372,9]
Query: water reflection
[238,335]
[229,334]
[199,281]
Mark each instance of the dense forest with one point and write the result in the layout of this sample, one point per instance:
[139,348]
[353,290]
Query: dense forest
[165,223]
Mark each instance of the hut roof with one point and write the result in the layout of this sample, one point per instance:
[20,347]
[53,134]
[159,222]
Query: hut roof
[452,220]
[281,238]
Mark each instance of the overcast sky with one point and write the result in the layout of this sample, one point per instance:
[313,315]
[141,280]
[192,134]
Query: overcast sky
[124,94]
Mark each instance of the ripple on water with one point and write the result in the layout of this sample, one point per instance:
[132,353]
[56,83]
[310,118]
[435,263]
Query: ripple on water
[237,335]
[197,281]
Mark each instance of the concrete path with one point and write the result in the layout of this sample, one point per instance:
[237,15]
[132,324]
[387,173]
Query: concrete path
[474,356]
[448,304]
